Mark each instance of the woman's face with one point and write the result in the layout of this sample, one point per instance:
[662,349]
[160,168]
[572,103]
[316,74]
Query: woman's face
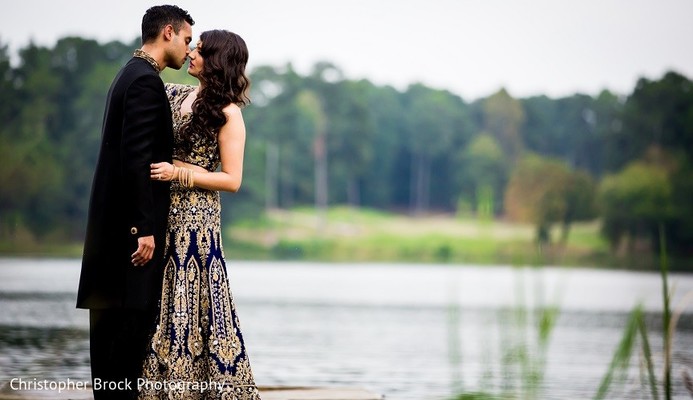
[196,61]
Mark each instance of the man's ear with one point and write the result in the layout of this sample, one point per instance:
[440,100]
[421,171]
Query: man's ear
[168,32]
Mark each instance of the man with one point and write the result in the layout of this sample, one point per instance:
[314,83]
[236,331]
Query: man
[120,282]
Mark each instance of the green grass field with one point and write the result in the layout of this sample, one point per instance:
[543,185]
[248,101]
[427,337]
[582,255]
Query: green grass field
[346,234]
[361,235]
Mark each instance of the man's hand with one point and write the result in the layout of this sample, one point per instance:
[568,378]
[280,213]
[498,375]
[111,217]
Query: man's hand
[145,250]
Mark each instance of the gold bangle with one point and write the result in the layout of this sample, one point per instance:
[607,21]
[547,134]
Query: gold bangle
[186,177]
[183,177]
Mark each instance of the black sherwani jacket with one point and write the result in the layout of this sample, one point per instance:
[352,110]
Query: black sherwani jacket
[125,203]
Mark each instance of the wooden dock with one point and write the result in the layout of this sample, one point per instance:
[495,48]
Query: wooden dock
[267,393]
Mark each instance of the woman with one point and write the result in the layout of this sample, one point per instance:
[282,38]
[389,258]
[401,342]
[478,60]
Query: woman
[197,351]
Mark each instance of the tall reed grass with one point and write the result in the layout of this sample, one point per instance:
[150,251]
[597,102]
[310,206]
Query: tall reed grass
[525,334]
[524,360]
[636,327]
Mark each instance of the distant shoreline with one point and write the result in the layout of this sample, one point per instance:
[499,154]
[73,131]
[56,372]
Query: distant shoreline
[361,236]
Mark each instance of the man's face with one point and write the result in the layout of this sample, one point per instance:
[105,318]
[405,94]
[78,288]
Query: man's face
[179,47]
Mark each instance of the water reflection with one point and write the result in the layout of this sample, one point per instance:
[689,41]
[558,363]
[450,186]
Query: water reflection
[44,353]
[409,332]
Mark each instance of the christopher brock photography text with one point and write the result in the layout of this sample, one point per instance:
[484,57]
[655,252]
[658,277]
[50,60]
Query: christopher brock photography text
[34,384]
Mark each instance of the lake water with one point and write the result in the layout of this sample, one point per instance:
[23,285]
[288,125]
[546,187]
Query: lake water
[410,332]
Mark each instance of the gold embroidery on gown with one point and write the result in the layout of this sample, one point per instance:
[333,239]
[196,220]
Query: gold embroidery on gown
[198,340]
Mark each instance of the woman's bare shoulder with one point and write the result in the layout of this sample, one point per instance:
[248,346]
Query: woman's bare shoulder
[232,109]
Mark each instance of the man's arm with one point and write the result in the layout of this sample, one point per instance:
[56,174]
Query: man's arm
[141,119]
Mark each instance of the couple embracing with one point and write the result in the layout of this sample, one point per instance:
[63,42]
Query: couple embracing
[162,319]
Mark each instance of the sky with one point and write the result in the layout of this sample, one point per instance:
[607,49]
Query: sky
[471,47]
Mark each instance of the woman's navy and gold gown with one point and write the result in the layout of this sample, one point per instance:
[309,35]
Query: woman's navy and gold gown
[197,340]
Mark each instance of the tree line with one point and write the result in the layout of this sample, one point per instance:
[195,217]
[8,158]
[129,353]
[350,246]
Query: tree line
[321,139]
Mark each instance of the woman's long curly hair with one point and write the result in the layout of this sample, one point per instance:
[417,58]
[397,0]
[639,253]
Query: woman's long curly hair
[223,74]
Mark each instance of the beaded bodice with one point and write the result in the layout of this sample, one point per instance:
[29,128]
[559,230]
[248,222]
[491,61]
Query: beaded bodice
[204,152]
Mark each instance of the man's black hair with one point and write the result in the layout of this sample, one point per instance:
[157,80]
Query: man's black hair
[157,17]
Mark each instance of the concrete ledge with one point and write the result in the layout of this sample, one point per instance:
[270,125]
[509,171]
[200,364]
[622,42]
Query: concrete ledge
[317,393]
[266,392]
